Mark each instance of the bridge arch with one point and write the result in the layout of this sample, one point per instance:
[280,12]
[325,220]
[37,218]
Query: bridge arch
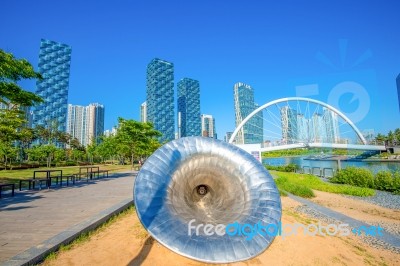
[331,108]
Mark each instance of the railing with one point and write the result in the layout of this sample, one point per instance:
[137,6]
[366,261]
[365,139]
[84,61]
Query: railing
[325,172]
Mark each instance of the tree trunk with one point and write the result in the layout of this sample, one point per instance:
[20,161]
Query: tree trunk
[132,162]
[5,162]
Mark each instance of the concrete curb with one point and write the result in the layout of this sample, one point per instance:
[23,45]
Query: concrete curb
[37,253]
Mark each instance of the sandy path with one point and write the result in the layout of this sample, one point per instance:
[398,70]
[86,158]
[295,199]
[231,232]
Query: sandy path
[125,242]
[372,214]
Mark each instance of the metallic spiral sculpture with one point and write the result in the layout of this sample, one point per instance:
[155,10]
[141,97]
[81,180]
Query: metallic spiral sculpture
[194,181]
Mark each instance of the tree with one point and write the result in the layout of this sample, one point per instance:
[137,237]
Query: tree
[14,97]
[132,136]
[13,70]
[390,136]
[108,147]
[7,151]
[380,138]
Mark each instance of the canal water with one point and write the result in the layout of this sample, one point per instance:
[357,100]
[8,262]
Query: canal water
[302,162]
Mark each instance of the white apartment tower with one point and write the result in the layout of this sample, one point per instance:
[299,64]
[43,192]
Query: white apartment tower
[86,123]
[208,126]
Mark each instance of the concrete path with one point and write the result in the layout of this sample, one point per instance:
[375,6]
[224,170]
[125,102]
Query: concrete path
[31,218]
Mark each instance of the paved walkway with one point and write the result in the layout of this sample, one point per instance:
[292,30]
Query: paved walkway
[32,217]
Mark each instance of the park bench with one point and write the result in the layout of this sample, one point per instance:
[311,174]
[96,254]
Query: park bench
[7,185]
[90,172]
[32,183]
[47,180]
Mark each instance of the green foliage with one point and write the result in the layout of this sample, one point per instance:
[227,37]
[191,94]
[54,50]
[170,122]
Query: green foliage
[309,151]
[8,152]
[392,136]
[13,70]
[384,180]
[135,139]
[396,183]
[283,168]
[289,152]
[284,184]
[316,183]
[354,176]
[11,123]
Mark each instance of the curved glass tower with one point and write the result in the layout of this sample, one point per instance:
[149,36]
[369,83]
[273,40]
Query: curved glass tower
[160,97]
[54,65]
[189,107]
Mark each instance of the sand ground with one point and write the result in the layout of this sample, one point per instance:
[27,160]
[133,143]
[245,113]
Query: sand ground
[126,242]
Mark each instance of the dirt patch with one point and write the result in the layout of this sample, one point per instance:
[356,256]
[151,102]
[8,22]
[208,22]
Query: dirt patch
[357,209]
[125,242]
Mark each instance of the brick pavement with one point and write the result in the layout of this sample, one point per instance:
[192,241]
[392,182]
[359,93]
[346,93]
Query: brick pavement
[32,217]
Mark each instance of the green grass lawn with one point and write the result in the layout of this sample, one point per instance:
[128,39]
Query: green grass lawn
[12,176]
[302,185]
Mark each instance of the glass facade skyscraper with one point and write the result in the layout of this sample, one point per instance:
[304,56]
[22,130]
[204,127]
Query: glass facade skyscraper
[318,128]
[189,108]
[252,131]
[331,126]
[289,125]
[54,65]
[160,97]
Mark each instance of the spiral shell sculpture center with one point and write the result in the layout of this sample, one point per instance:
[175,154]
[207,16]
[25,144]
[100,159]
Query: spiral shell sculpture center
[199,181]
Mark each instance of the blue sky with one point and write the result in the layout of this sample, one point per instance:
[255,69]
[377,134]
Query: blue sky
[274,47]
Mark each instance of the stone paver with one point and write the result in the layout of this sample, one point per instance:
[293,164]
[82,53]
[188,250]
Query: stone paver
[32,217]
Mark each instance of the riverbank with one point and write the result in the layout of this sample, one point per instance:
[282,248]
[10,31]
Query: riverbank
[373,164]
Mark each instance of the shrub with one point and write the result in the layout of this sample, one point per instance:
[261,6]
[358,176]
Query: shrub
[396,183]
[283,168]
[296,189]
[354,176]
[384,181]
[313,182]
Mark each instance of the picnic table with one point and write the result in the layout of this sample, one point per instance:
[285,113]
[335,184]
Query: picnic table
[47,180]
[90,172]
[7,185]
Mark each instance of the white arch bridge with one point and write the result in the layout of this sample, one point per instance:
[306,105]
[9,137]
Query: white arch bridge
[297,122]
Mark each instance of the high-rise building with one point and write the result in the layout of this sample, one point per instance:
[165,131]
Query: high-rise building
[95,122]
[252,131]
[189,121]
[208,126]
[317,128]
[54,65]
[302,128]
[398,89]
[86,123]
[76,123]
[331,126]
[228,136]
[111,132]
[160,97]
[143,112]
[289,125]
